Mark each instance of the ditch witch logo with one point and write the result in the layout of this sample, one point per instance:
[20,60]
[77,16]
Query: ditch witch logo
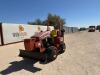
[21,32]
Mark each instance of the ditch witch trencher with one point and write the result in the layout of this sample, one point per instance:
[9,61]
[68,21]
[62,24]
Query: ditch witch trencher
[43,46]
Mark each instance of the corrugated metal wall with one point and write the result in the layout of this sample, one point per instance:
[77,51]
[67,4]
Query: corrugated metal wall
[70,29]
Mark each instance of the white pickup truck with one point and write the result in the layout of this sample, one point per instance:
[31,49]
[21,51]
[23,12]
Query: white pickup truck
[91,29]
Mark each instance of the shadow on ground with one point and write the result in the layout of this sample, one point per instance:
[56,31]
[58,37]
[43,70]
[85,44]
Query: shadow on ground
[25,64]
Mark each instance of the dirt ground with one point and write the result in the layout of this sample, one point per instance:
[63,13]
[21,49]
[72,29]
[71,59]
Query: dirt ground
[82,57]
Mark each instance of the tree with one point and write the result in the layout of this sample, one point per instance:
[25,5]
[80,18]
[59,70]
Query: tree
[55,21]
[52,20]
[36,22]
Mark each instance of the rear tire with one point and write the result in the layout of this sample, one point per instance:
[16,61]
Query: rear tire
[62,48]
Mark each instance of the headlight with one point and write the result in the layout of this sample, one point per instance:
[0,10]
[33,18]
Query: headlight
[39,44]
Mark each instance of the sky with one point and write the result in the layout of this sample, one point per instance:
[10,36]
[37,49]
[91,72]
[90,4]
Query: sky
[77,13]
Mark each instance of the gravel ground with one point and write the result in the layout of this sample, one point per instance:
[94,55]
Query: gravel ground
[82,57]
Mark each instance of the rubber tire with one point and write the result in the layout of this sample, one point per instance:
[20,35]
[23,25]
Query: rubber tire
[44,59]
[52,53]
[62,48]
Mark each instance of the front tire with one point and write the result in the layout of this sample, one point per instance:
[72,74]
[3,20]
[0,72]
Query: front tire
[44,59]
[62,48]
[52,53]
